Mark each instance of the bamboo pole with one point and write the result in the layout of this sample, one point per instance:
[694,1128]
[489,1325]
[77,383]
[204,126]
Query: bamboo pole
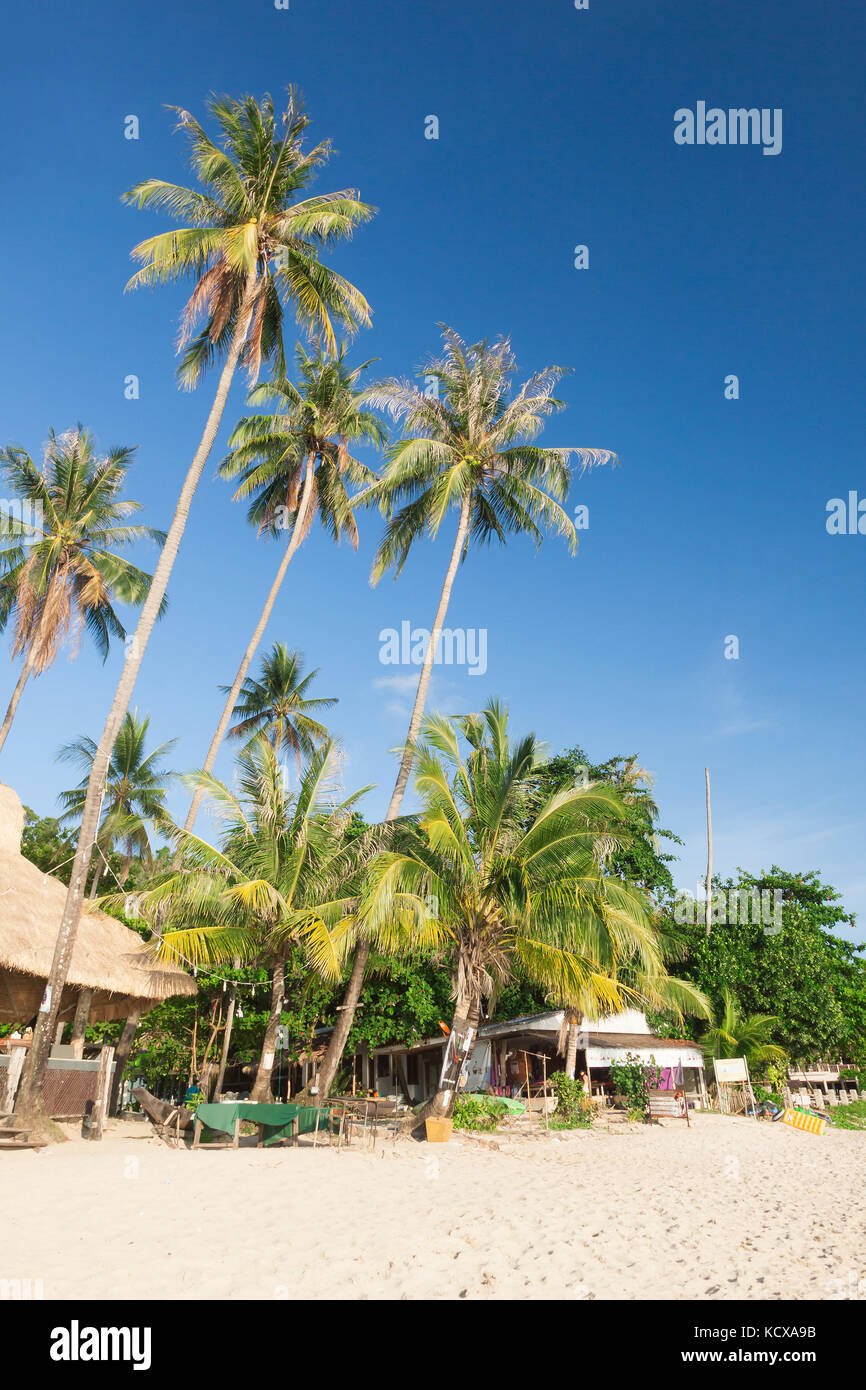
[709,913]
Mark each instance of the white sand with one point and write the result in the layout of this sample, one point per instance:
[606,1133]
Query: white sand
[729,1209]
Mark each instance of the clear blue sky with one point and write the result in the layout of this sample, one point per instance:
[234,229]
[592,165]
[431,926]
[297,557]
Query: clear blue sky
[556,128]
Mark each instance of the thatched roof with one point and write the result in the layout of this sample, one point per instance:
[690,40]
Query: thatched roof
[107,956]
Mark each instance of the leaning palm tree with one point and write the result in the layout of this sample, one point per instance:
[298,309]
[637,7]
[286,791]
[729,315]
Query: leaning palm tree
[277,882]
[278,705]
[733,1035]
[292,462]
[58,568]
[516,886]
[135,788]
[251,244]
[470,451]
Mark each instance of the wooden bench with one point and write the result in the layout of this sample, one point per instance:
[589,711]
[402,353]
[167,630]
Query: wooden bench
[668,1105]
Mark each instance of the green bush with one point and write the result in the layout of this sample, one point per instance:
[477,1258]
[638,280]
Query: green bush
[573,1107]
[630,1080]
[478,1112]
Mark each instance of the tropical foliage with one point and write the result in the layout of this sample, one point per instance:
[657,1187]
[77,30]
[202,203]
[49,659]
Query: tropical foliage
[495,880]
[59,567]
[135,788]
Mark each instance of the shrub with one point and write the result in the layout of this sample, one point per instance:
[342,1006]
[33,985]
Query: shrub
[478,1112]
[630,1080]
[573,1107]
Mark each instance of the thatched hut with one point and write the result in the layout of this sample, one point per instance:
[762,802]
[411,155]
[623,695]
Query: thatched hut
[108,958]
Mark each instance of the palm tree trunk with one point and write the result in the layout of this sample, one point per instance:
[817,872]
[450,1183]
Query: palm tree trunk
[346,1014]
[467,1014]
[16,696]
[262,1091]
[227,1035]
[79,1022]
[571,1049]
[29,1099]
[709,912]
[298,533]
[121,1057]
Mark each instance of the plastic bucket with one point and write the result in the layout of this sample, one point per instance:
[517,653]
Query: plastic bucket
[438,1130]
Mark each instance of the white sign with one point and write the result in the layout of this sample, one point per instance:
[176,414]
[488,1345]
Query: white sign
[730,1069]
[282,1037]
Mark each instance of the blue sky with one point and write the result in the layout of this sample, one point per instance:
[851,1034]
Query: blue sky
[556,129]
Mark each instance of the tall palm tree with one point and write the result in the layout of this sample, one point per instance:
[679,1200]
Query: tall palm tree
[278,706]
[291,462]
[470,451]
[515,884]
[733,1035]
[276,883]
[59,572]
[251,244]
[135,790]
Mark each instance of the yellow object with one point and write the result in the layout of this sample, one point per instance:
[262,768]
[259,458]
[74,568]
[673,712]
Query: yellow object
[438,1131]
[813,1124]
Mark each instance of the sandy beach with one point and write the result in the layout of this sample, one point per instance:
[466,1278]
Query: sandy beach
[728,1209]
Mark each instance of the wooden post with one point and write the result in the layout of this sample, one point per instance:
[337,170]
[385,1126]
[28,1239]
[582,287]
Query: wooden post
[227,1035]
[544,1094]
[528,1095]
[94,1123]
[79,1022]
[196,1138]
[709,915]
[12,1076]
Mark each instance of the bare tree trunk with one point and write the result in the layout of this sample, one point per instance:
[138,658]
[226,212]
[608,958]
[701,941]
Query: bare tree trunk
[79,1022]
[346,1015]
[227,1035]
[298,533]
[121,1057]
[16,696]
[262,1091]
[709,915]
[29,1100]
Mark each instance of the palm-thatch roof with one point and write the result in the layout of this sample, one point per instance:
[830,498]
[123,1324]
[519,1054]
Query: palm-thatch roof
[107,957]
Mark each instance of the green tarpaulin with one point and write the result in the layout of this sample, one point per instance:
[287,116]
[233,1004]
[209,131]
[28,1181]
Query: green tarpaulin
[277,1119]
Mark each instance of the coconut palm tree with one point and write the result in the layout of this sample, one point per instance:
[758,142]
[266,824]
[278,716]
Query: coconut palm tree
[469,450]
[251,244]
[277,882]
[58,568]
[515,885]
[135,790]
[278,706]
[290,463]
[733,1035]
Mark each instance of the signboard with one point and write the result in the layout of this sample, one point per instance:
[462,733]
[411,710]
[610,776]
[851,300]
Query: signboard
[730,1069]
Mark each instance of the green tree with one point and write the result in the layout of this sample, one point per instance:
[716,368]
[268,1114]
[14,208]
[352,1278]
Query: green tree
[514,881]
[291,463]
[735,1035]
[470,449]
[806,976]
[278,881]
[135,788]
[59,571]
[278,706]
[251,245]
[641,860]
